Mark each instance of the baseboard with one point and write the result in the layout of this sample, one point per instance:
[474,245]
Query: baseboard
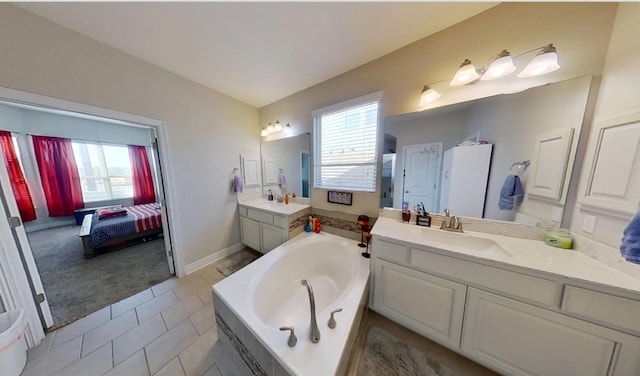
[197,265]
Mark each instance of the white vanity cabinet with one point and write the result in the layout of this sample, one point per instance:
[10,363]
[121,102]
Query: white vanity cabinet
[262,230]
[513,322]
[430,305]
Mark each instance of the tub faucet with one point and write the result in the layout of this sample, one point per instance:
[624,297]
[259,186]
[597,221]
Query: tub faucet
[314,332]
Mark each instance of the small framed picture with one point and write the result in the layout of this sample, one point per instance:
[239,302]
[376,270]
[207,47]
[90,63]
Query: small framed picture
[343,198]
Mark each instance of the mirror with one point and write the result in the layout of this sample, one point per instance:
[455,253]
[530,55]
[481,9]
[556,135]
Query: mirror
[459,156]
[286,165]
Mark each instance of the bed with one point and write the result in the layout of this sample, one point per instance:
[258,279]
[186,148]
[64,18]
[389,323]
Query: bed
[138,221]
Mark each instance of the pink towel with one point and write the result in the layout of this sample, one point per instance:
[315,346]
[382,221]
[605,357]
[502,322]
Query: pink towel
[238,184]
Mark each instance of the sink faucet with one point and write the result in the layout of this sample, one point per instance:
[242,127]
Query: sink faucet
[314,332]
[451,223]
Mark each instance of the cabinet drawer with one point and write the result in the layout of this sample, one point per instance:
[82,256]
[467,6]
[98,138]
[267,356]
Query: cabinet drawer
[242,210]
[523,286]
[280,221]
[389,251]
[260,216]
[613,310]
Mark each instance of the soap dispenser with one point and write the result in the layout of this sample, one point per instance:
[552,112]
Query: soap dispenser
[270,196]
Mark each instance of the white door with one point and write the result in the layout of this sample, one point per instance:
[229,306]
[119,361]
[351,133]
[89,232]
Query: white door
[159,185]
[271,237]
[422,165]
[250,233]
[427,304]
[19,259]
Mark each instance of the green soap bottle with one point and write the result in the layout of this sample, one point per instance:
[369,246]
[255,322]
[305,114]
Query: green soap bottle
[559,238]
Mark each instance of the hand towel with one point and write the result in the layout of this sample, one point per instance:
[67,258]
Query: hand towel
[238,184]
[282,181]
[511,189]
[630,246]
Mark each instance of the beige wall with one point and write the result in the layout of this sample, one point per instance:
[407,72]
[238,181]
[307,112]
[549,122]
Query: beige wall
[207,131]
[619,94]
[581,32]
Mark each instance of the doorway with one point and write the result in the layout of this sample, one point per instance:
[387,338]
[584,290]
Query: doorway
[422,166]
[305,173]
[51,252]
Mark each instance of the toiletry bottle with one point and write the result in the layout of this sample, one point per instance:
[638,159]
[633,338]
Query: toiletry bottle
[307,228]
[316,225]
[286,198]
[270,197]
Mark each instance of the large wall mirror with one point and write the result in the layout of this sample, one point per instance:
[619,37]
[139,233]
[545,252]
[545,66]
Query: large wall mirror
[286,165]
[460,156]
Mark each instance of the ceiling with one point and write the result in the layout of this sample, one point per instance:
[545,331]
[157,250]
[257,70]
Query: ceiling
[257,52]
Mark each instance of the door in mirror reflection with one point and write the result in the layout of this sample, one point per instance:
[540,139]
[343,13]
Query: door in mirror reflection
[422,175]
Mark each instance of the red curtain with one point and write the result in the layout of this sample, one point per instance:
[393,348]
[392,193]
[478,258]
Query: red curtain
[143,192]
[18,183]
[59,175]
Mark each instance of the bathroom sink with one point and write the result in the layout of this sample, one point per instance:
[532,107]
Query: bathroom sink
[464,241]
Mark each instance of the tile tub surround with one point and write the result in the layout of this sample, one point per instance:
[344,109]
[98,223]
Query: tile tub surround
[339,223]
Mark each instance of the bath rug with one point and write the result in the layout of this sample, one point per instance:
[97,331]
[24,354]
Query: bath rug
[235,262]
[384,354]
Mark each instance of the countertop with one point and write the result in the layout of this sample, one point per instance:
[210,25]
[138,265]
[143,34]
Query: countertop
[523,253]
[274,207]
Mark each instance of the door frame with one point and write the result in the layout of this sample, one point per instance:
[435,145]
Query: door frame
[15,286]
[436,191]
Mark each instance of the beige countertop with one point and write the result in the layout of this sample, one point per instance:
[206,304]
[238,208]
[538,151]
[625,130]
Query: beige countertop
[523,253]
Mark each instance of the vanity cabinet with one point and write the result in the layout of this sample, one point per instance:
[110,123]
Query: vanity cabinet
[515,323]
[262,230]
[430,305]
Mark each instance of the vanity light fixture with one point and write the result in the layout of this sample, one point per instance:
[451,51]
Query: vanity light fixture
[264,132]
[467,73]
[500,67]
[546,61]
[428,95]
[278,126]
[271,129]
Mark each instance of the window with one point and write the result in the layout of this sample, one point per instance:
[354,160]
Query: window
[105,171]
[345,143]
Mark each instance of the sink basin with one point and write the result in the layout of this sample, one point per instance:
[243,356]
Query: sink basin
[468,242]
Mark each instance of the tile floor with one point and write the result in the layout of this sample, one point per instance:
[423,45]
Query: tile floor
[170,330]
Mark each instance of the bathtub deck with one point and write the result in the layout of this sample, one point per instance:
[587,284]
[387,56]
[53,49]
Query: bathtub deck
[170,329]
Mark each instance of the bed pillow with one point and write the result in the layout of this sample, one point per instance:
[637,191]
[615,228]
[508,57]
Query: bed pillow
[111,212]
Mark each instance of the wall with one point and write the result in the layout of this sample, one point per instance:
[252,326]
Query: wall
[449,128]
[618,95]
[207,131]
[580,31]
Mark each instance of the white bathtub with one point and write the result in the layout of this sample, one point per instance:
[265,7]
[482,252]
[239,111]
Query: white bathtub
[268,294]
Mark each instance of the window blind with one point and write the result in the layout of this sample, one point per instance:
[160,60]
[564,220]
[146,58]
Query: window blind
[345,144]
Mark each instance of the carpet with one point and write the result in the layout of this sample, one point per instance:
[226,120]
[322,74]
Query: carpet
[76,286]
[384,354]
[235,262]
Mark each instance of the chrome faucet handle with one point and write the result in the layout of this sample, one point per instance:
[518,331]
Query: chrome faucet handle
[455,224]
[332,321]
[292,336]
[447,212]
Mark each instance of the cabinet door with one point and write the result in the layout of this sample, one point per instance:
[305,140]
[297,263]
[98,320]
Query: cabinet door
[520,339]
[427,304]
[250,233]
[271,237]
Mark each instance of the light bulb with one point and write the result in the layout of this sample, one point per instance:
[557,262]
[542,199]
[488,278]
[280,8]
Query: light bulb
[264,132]
[270,128]
[278,126]
[467,73]
[545,62]
[428,95]
[500,67]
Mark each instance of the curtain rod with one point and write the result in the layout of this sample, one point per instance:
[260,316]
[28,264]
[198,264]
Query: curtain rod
[80,139]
